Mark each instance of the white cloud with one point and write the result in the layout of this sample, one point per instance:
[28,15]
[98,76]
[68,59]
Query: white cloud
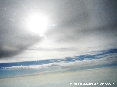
[62,64]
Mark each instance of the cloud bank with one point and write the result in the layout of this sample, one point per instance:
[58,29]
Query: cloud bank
[100,59]
[81,27]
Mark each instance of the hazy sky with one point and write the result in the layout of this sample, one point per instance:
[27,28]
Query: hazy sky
[75,27]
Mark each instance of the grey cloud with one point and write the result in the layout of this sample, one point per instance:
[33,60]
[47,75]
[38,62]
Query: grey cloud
[82,19]
[14,44]
[80,23]
[14,38]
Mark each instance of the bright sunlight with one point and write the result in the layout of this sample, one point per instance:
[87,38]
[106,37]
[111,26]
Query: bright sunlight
[37,23]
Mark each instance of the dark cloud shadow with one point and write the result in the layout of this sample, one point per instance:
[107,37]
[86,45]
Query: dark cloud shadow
[9,49]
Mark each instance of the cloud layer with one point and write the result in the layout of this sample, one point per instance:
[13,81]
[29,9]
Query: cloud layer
[81,27]
[94,60]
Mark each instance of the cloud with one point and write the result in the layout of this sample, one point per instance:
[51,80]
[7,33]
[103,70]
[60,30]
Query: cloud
[82,27]
[99,75]
[103,58]
[15,44]
[14,38]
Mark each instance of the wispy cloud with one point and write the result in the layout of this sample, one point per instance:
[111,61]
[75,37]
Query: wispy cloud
[103,58]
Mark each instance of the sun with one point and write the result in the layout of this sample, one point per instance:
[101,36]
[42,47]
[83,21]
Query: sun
[37,23]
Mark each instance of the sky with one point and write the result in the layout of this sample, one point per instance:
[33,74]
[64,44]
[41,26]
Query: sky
[43,42]
[96,68]
[105,57]
[75,27]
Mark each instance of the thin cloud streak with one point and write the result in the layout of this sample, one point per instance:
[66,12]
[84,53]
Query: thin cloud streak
[103,58]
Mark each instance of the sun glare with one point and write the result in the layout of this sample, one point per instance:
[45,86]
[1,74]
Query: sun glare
[37,23]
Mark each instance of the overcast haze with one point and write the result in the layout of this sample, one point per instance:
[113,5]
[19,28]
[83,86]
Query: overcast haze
[76,27]
[56,43]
